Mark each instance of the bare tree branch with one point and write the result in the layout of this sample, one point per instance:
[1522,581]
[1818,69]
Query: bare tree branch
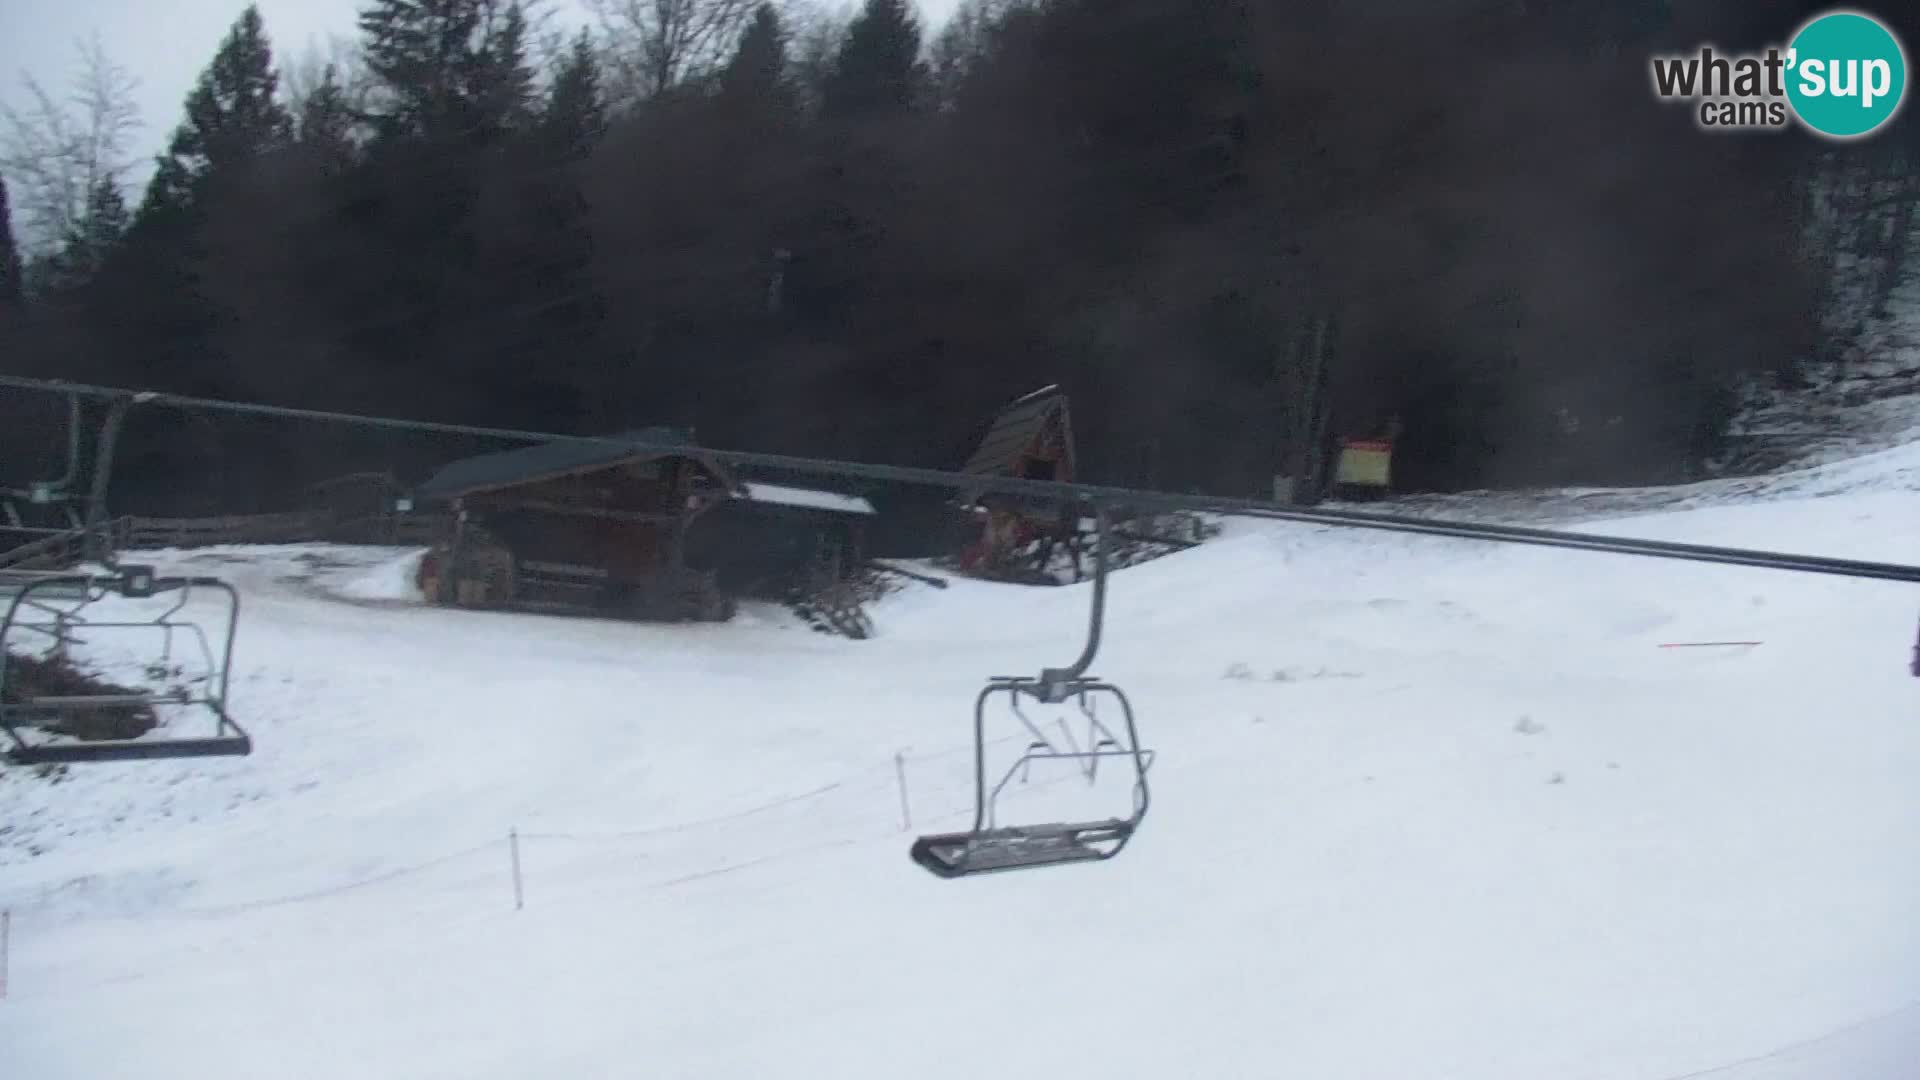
[55,155]
[37,156]
[348,63]
[105,96]
[301,76]
[656,45]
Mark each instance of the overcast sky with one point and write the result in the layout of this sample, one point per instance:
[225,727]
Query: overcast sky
[165,43]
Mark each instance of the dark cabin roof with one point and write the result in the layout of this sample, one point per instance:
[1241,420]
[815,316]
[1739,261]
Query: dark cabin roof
[527,464]
[1015,429]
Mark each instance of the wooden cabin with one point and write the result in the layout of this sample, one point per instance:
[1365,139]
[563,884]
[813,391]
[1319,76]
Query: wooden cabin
[598,526]
[1030,439]
[644,525]
[772,539]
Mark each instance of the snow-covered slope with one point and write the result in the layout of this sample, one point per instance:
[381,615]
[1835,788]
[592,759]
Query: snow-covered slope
[1423,808]
[1893,465]
[1850,425]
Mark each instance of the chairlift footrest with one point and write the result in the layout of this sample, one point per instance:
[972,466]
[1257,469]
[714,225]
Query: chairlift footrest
[108,701]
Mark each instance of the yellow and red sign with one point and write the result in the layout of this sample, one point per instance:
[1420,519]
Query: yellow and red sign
[1365,463]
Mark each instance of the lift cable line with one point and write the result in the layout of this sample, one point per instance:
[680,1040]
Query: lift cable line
[1091,494]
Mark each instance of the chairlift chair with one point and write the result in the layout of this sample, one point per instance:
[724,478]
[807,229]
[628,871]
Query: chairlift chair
[41,594]
[989,847]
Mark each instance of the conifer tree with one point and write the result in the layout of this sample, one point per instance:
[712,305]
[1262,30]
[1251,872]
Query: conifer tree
[452,69]
[878,67]
[757,71]
[234,113]
[324,126]
[575,115]
[92,240]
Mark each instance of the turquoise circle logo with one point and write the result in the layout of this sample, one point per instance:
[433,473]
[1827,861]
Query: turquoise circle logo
[1848,75]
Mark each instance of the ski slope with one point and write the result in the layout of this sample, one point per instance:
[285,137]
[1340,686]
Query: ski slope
[1423,808]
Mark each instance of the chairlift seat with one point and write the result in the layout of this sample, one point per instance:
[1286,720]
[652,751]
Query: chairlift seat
[990,848]
[954,855]
[227,739]
[131,750]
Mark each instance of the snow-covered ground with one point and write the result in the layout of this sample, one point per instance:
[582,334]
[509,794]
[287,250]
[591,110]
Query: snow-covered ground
[1422,808]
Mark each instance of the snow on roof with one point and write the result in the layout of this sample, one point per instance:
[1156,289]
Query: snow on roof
[1036,395]
[808,498]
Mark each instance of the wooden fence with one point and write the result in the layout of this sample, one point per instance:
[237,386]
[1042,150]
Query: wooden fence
[144,532]
[56,552]
[63,550]
[317,526]
[394,530]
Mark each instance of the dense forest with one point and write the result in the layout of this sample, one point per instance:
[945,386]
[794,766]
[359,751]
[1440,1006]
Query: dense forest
[853,235]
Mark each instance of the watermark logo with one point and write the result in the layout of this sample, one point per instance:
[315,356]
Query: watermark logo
[1852,75]
[1842,76]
